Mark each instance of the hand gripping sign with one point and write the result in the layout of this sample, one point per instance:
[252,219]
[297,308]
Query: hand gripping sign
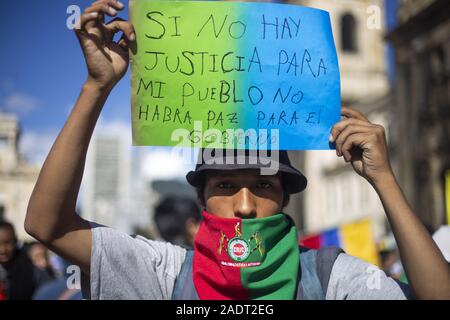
[230,74]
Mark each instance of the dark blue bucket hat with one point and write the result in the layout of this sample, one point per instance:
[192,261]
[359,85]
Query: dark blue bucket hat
[220,159]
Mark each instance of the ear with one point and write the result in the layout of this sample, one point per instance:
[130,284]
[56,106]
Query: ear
[286,198]
[201,198]
[200,201]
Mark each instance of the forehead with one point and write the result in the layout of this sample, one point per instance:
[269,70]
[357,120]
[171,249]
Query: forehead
[6,233]
[37,248]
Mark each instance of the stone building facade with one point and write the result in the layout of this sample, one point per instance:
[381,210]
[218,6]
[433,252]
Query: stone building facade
[421,139]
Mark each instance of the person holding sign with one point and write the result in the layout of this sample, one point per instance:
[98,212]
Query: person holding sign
[215,71]
[246,248]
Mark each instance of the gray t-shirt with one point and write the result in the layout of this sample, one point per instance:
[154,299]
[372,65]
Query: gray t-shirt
[128,267]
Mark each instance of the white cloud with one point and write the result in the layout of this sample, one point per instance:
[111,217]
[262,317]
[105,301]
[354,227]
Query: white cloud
[20,103]
[34,146]
[164,164]
[156,163]
[114,128]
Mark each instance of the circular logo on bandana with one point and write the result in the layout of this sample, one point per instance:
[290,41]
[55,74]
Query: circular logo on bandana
[238,249]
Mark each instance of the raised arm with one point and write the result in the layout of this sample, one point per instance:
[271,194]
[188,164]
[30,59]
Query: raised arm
[51,216]
[363,144]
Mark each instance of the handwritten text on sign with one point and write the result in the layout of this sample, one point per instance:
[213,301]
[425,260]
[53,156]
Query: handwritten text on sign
[224,67]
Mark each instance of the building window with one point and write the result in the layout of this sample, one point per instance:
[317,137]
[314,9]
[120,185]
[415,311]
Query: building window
[348,33]
[3,142]
[2,213]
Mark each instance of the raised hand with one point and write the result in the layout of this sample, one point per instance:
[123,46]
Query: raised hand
[363,144]
[107,61]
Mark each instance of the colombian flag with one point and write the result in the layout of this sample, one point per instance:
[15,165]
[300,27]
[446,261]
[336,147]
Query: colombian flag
[355,238]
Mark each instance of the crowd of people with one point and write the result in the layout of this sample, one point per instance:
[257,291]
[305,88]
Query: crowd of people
[28,271]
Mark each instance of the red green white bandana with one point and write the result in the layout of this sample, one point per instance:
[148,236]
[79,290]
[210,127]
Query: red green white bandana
[246,258]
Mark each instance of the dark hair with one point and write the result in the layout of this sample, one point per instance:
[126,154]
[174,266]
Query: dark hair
[201,191]
[8,225]
[171,215]
[28,245]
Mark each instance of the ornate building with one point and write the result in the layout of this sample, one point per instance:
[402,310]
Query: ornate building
[335,193]
[17,179]
[421,139]
[113,191]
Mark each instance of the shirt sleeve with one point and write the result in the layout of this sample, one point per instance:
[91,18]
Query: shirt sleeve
[130,267]
[354,279]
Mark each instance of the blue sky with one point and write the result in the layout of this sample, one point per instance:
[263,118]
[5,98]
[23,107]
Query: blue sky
[42,67]
[41,58]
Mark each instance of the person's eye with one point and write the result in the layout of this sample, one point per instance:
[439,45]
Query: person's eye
[264,185]
[225,185]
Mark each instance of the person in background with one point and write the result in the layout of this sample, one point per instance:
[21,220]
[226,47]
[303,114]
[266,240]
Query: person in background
[2,284]
[59,289]
[38,255]
[391,264]
[22,277]
[442,239]
[178,219]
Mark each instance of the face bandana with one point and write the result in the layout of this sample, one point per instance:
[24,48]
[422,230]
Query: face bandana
[246,258]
